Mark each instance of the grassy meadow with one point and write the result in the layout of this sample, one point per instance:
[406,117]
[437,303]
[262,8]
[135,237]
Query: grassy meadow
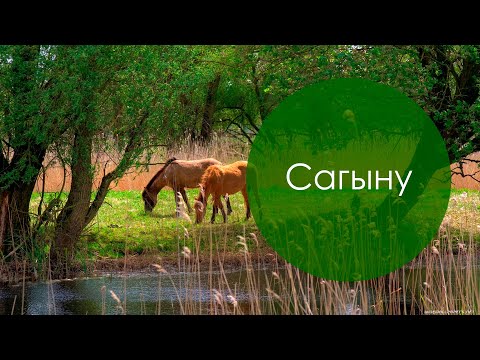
[122,226]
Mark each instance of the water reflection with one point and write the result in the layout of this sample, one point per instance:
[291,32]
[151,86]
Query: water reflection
[192,293]
[144,293]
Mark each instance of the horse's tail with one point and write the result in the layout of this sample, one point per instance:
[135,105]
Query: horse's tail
[168,162]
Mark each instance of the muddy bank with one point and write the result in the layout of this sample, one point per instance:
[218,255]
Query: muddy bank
[203,262]
[15,273]
[18,272]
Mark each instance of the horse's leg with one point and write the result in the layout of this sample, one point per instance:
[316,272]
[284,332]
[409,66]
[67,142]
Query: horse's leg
[176,202]
[229,207]
[247,204]
[185,199]
[214,212]
[218,202]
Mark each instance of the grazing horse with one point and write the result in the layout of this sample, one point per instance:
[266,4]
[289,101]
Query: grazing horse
[219,180]
[178,175]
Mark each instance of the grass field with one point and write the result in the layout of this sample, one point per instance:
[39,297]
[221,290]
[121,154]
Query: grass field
[122,226]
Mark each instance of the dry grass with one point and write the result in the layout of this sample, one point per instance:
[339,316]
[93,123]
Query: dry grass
[463,211]
[443,279]
[221,148]
[470,168]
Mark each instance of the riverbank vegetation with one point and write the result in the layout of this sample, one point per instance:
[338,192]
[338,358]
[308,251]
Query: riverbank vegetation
[123,235]
[237,273]
[443,280]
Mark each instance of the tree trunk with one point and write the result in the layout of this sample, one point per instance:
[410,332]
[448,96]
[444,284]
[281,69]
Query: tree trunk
[423,172]
[71,220]
[19,173]
[3,204]
[99,197]
[3,217]
[78,212]
[441,98]
[15,218]
[19,211]
[209,109]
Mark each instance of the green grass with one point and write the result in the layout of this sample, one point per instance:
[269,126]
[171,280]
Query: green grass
[463,215]
[123,226]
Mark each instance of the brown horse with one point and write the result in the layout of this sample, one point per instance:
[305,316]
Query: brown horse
[178,175]
[219,180]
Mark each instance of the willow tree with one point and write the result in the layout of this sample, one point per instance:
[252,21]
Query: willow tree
[117,110]
[76,101]
[32,117]
[452,97]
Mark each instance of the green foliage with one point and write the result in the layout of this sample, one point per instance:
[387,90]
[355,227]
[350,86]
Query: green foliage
[45,98]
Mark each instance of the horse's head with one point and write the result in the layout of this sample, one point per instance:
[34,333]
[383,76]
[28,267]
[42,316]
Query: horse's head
[149,200]
[200,206]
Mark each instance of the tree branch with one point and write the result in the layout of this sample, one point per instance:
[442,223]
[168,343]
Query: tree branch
[118,171]
[244,133]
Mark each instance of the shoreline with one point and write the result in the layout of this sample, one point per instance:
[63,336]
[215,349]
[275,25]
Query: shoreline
[172,263]
[203,262]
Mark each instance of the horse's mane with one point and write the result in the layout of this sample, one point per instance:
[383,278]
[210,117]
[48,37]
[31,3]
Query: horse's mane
[211,171]
[157,175]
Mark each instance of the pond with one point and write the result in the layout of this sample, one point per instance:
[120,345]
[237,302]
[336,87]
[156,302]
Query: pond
[241,291]
[143,293]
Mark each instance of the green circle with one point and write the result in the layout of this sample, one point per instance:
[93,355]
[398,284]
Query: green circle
[341,231]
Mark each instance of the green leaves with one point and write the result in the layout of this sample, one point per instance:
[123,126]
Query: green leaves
[48,91]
